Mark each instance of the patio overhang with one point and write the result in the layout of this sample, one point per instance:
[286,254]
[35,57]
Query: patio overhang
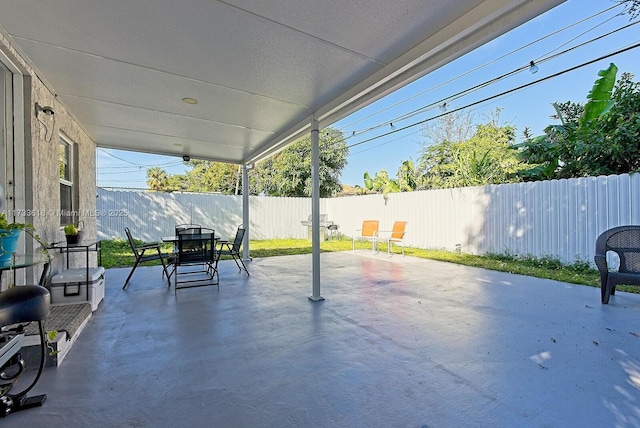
[235,81]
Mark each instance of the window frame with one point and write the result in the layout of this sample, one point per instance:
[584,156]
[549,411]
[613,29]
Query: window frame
[70,181]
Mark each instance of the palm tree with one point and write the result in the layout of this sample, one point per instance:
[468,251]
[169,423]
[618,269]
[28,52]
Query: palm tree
[157,178]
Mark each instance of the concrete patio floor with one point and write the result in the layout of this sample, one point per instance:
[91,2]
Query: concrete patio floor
[398,342]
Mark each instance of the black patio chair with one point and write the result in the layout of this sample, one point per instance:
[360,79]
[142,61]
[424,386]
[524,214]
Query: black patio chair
[146,253]
[195,247]
[188,228]
[625,242]
[232,248]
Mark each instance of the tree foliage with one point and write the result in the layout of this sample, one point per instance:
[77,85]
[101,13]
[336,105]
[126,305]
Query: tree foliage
[208,176]
[157,178]
[407,179]
[204,176]
[288,173]
[454,127]
[631,8]
[488,157]
[600,138]
[381,182]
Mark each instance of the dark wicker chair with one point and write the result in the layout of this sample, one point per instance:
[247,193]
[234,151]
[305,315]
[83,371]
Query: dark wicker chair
[625,242]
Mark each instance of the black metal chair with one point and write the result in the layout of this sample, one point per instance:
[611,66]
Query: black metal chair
[195,247]
[625,242]
[188,228]
[232,248]
[146,253]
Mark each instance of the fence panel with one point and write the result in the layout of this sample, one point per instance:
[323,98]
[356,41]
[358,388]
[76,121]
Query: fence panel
[557,218]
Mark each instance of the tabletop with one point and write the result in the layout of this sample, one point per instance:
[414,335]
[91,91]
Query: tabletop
[197,236]
[80,245]
[24,260]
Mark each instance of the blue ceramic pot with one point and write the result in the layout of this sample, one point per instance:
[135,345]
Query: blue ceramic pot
[8,243]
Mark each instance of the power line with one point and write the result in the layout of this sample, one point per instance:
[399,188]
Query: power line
[168,163]
[385,143]
[119,158]
[447,100]
[526,85]
[476,69]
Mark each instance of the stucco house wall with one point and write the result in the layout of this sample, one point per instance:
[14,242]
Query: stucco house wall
[32,183]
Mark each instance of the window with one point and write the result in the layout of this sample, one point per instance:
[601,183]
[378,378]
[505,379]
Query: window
[67,205]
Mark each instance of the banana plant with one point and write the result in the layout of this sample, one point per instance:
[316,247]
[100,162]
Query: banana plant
[381,183]
[545,150]
[599,97]
[408,179]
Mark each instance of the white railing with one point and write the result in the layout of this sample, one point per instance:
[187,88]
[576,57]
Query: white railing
[557,218]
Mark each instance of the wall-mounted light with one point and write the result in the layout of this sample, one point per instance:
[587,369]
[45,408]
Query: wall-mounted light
[46,110]
[46,124]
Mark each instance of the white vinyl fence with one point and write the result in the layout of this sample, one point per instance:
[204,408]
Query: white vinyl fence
[557,218]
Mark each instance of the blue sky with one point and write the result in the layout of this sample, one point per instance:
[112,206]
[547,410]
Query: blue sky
[530,107]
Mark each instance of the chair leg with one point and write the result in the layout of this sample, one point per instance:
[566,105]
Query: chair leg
[243,265]
[606,291]
[215,275]
[135,265]
[165,271]
[237,258]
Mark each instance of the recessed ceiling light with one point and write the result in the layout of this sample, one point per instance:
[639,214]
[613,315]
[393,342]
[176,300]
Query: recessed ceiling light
[190,100]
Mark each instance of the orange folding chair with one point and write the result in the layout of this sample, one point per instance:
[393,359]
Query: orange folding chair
[397,236]
[369,232]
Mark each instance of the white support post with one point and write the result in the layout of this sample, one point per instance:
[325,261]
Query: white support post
[245,212]
[315,209]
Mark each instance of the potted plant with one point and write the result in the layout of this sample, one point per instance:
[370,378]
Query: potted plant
[9,236]
[73,234]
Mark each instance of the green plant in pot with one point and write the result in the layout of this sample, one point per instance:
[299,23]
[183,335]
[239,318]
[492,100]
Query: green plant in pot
[9,236]
[73,234]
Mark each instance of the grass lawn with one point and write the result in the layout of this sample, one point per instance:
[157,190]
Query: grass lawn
[117,253]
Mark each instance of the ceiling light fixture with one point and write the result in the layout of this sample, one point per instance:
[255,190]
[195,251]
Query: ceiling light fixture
[191,101]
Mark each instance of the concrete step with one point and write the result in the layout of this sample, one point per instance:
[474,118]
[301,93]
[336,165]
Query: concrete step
[68,320]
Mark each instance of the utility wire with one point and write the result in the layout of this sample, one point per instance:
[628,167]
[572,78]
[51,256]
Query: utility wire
[460,94]
[116,157]
[496,79]
[535,82]
[385,143]
[434,104]
[582,34]
[137,165]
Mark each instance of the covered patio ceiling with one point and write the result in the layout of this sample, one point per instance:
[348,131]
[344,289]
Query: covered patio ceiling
[259,70]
